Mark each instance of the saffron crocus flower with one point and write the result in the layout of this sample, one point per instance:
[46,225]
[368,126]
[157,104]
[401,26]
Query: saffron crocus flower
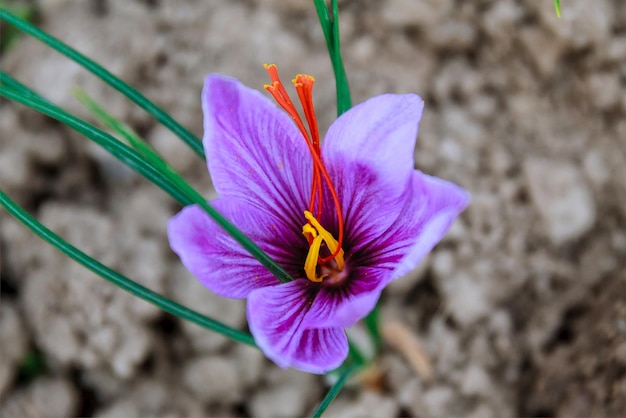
[343,217]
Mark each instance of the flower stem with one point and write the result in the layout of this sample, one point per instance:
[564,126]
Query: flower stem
[334,390]
[330,27]
[118,279]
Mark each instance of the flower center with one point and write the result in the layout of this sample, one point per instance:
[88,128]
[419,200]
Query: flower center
[313,231]
[316,235]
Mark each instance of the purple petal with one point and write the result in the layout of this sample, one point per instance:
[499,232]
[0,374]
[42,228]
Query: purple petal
[367,207]
[436,205]
[218,261]
[379,135]
[275,317]
[344,306]
[430,209]
[254,151]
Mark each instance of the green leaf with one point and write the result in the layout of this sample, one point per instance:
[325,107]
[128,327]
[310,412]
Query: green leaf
[118,279]
[167,180]
[123,130]
[136,97]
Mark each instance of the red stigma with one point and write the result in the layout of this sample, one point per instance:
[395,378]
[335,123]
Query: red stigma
[304,87]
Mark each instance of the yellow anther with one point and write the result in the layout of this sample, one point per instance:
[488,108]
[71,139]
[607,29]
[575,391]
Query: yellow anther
[330,241]
[309,232]
[316,231]
[310,265]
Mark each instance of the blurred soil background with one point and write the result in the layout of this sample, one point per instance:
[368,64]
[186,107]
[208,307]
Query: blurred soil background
[521,310]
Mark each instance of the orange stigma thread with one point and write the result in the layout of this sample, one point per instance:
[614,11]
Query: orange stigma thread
[312,230]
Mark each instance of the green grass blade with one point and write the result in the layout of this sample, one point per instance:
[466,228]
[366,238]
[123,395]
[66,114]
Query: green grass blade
[9,82]
[334,390]
[118,279]
[330,28]
[136,97]
[325,22]
[168,181]
[119,150]
[344,101]
[123,130]
[557,7]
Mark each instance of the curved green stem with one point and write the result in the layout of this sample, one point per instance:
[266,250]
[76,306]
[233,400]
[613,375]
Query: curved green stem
[334,390]
[118,279]
[8,81]
[330,27]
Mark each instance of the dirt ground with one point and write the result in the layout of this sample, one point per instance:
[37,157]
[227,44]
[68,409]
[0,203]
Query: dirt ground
[521,310]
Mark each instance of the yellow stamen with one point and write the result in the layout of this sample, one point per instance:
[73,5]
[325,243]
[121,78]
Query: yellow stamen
[330,241]
[310,265]
[309,232]
[316,234]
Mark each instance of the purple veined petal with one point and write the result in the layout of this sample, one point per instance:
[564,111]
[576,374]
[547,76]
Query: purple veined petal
[344,306]
[429,212]
[368,209]
[378,134]
[275,318]
[445,201]
[254,151]
[218,261]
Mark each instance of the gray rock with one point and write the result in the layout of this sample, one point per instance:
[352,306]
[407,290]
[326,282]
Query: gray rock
[250,363]
[476,381]
[187,290]
[582,24]
[367,404]
[561,197]
[213,379]
[154,399]
[423,13]
[405,283]
[79,318]
[543,48]
[13,340]
[466,296]
[288,393]
[46,397]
